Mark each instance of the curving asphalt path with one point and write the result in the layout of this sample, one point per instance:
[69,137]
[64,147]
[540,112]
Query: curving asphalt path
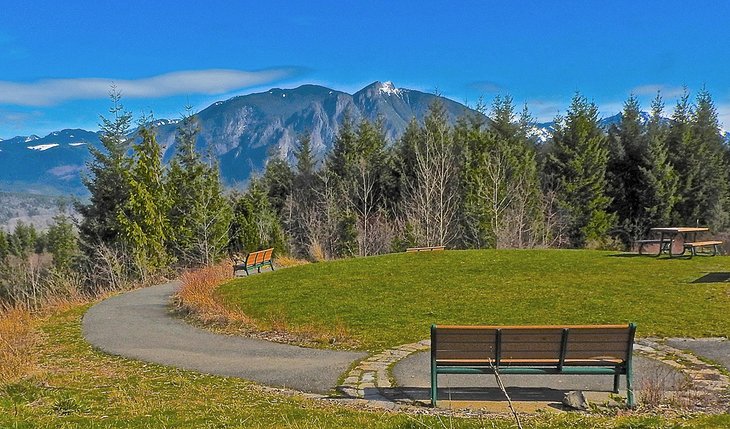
[138,325]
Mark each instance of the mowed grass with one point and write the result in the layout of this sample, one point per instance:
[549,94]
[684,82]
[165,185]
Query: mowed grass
[74,386]
[393,299]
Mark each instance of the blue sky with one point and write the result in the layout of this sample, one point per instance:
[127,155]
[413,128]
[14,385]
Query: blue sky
[58,59]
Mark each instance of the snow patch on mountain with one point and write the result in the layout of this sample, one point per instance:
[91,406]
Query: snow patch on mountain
[42,147]
[388,88]
[31,138]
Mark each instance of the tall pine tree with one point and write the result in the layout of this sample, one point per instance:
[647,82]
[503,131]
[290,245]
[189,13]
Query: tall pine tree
[576,168]
[143,220]
[627,145]
[106,180]
[659,180]
[199,212]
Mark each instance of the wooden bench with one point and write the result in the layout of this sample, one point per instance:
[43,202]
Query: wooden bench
[256,260]
[694,245]
[425,249]
[597,349]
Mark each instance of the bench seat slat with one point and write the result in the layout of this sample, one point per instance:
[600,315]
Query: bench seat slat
[702,243]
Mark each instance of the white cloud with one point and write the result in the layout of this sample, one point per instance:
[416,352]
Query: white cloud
[665,90]
[215,81]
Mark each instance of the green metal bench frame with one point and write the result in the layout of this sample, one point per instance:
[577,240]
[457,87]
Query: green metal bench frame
[258,260]
[495,357]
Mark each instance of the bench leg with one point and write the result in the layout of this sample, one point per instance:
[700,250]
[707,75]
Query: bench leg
[616,380]
[434,388]
[630,388]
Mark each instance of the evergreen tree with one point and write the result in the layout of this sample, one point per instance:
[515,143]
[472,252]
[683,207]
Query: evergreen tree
[279,180]
[22,242]
[627,146]
[342,149]
[106,179]
[685,161]
[659,180]
[143,220]
[711,199]
[501,178]
[199,214]
[4,246]
[255,225]
[576,168]
[62,242]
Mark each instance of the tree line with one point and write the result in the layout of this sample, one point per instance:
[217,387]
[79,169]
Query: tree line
[483,181]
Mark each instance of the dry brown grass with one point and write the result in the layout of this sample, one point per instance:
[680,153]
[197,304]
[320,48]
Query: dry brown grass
[288,261]
[196,299]
[196,296]
[17,337]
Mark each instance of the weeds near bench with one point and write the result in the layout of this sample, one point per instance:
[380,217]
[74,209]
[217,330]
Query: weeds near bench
[506,395]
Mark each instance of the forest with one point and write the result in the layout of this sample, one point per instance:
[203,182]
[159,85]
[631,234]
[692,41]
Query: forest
[483,182]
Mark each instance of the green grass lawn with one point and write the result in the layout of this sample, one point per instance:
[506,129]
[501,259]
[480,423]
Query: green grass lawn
[75,386]
[393,299]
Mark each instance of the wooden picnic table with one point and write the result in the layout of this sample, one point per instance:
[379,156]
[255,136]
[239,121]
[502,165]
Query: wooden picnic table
[669,234]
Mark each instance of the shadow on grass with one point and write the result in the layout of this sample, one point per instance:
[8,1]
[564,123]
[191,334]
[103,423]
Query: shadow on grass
[713,278]
[517,394]
[627,255]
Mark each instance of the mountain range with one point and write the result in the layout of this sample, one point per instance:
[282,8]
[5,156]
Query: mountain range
[241,132]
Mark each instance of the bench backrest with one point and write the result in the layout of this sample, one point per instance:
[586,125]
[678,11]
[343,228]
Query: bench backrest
[259,257]
[548,344]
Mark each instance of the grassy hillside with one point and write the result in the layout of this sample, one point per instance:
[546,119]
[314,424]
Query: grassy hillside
[74,386]
[393,299]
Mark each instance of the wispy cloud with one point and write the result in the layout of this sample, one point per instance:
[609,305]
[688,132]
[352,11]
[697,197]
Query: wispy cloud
[652,89]
[545,110]
[216,81]
[486,86]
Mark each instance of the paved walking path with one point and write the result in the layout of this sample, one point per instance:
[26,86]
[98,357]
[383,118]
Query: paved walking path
[138,325]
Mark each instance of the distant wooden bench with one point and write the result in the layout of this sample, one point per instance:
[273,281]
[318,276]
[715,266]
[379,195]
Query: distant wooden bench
[694,245]
[425,249]
[596,349]
[256,260]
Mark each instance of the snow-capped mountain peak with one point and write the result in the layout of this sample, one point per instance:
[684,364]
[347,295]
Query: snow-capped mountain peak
[388,88]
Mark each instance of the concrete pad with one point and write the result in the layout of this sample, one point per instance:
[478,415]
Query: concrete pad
[528,392]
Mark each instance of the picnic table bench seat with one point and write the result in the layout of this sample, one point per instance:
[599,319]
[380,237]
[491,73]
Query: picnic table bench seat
[641,243]
[256,260]
[694,245]
[538,350]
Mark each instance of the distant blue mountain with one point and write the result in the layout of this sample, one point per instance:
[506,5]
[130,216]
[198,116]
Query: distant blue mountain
[241,132]
[46,165]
